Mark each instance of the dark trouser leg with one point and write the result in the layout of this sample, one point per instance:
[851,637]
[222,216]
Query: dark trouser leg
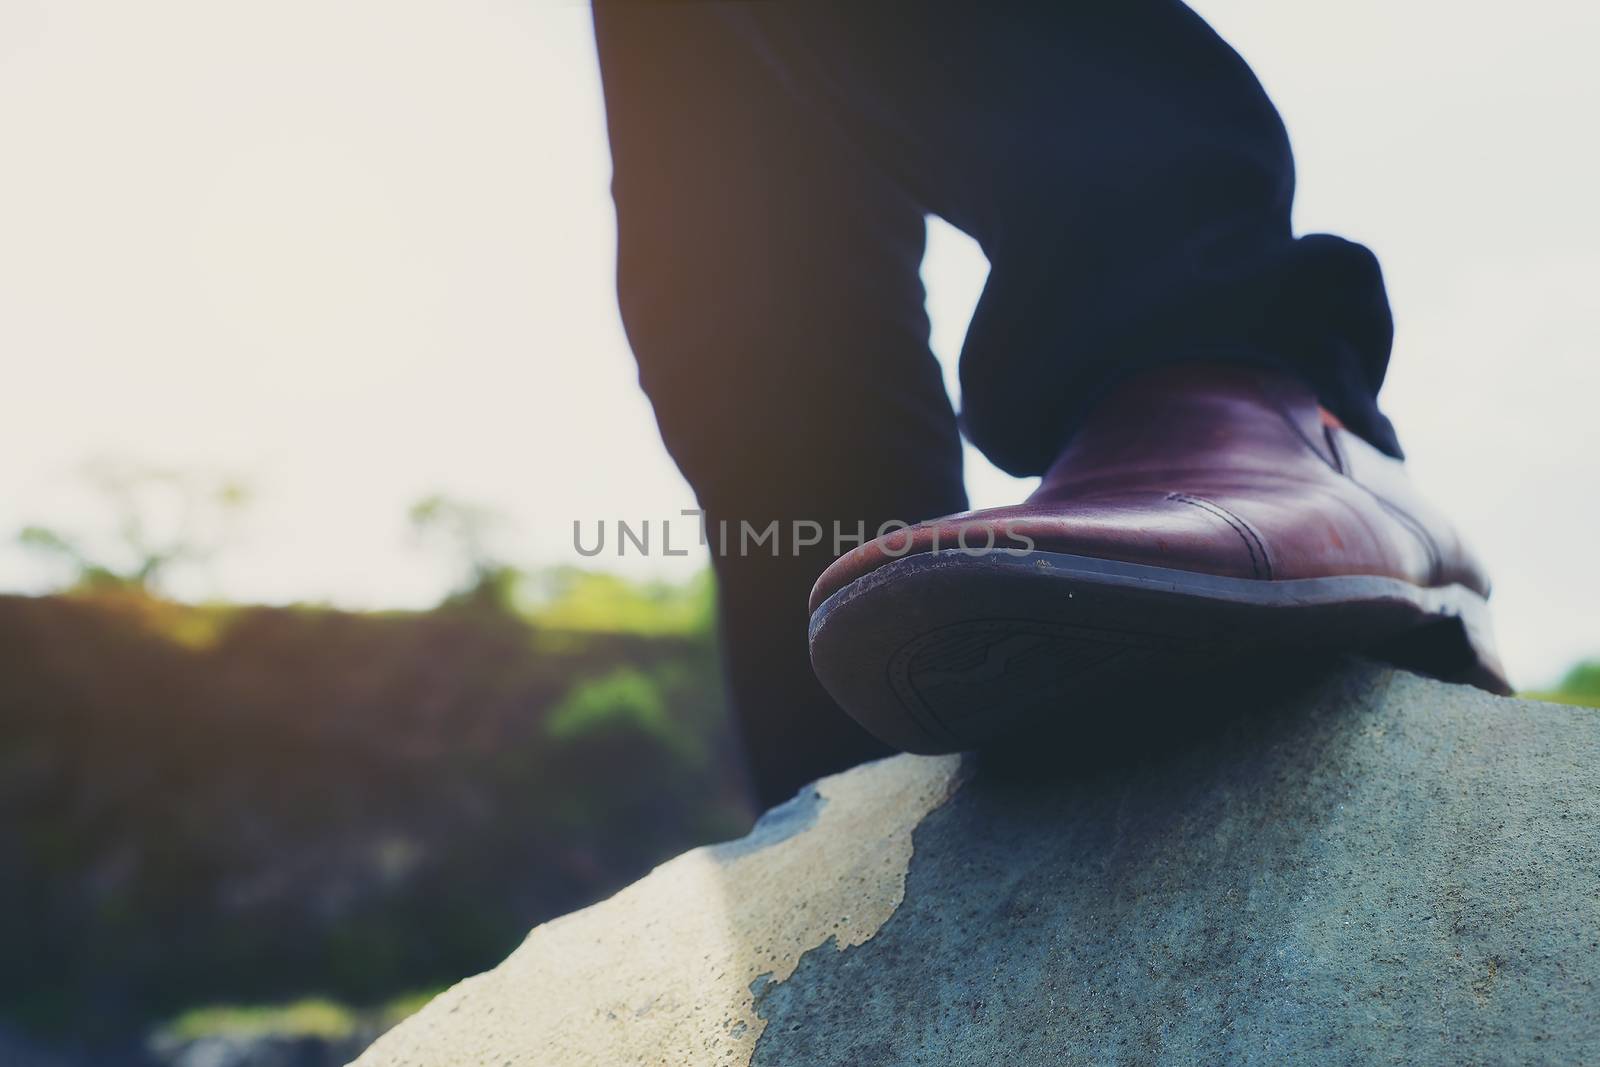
[768,277]
[1126,175]
[1129,181]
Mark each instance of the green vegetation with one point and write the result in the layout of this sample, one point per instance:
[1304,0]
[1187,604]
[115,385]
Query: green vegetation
[1580,685]
[623,699]
[302,1018]
[315,1017]
[567,598]
[245,806]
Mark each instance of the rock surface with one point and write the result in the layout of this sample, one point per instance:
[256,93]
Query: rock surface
[1377,868]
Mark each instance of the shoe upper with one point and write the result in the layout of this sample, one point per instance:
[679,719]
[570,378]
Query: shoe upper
[1224,470]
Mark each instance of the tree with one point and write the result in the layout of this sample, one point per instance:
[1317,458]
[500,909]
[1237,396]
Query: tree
[152,521]
[465,531]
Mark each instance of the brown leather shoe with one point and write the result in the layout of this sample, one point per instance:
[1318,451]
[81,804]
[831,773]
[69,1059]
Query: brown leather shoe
[1204,515]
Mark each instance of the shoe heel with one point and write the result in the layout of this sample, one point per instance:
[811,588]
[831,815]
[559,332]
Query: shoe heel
[1458,647]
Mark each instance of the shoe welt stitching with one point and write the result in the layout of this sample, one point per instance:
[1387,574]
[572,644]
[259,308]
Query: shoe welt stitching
[1418,530]
[1252,540]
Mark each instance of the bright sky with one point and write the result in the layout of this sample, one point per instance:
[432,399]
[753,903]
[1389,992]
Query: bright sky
[360,252]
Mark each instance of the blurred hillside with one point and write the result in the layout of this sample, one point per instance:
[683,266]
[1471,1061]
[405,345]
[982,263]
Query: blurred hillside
[204,805]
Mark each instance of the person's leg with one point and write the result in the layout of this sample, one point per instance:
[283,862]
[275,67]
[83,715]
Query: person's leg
[768,279]
[1130,183]
[1155,342]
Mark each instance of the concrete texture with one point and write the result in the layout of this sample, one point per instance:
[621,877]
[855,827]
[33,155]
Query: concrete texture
[1374,869]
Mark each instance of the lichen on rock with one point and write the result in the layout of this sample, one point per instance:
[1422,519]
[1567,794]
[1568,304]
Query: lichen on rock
[666,971]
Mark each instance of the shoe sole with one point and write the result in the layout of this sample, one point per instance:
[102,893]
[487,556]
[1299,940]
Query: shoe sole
[946,651]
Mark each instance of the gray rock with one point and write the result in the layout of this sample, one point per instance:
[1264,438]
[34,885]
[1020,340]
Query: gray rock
[1375,869]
